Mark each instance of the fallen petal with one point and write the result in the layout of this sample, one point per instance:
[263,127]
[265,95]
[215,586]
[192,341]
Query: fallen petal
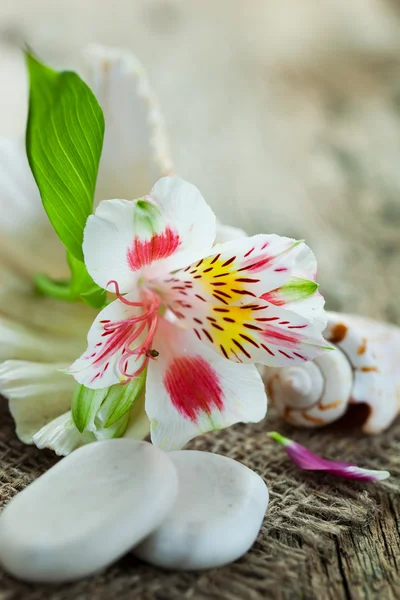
[309,461]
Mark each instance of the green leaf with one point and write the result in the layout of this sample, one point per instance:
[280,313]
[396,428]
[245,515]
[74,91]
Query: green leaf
[60,290]
[106,408]
[96,297]
[64,139]
[82,285]
[116,430]
[120,399]
[85,404]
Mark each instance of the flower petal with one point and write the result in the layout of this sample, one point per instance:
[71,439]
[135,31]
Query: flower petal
[14,91]
[239,271]
[115,430]
[37,393]
[135,151]
[28,242]
[191,389]
[109,340]
[62,436]
[305,263]
[309,461]
[302,297]
[219,298]
[226,233]
[300,293]
[161,232]
[256,332]
[133,424]
[28,343]
[20,303]
[139,424]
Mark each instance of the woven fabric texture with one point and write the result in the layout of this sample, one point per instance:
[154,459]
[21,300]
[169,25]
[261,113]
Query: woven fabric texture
[306,512]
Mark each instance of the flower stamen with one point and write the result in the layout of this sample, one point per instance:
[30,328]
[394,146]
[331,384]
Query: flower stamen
[120,296]
[123,333]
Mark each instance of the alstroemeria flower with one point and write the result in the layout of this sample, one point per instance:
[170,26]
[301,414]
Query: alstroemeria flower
[194,314]
[309,461]
[40,336]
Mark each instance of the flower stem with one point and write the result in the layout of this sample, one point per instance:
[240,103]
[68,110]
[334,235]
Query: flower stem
[55,289]
[278,438]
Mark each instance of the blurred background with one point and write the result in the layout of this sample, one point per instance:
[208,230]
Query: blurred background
[285,113]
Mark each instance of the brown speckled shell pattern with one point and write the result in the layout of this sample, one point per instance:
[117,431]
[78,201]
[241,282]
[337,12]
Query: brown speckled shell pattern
[372,350]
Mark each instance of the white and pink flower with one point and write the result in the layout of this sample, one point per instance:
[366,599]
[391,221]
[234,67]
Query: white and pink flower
[194,315]
[197,316]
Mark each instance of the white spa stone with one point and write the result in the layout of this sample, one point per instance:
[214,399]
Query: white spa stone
[216,517]
[87,511]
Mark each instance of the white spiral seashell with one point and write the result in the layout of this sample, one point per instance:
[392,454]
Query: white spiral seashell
[363,368]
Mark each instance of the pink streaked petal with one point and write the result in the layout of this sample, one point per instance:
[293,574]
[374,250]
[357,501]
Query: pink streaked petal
[185,211]
[107,237]
[193,386]
[255,332]
[311,308]
[190,389]
[237,271]
[290,337]
[302,297]
[117,343]
[260,263]
[153,235]
[307,460]
[125,236]
[143,252]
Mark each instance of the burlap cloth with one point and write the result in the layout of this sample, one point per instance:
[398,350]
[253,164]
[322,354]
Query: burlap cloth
[306,512]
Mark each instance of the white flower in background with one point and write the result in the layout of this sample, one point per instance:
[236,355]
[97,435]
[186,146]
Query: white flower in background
[40,335]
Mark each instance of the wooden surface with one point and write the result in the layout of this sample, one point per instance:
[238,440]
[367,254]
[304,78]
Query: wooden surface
[364,565]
